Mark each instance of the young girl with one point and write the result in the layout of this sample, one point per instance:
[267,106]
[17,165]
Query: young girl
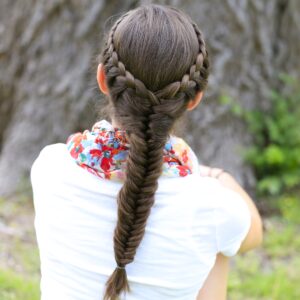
[124,210]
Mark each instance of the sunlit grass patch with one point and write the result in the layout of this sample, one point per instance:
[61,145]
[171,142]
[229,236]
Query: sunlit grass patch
[14,286]
[271,272]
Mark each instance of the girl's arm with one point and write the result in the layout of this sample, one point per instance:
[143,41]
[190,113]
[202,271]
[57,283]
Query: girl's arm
[217,278]
[254,237]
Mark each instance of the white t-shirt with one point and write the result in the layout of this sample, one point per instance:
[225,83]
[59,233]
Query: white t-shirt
[193,218]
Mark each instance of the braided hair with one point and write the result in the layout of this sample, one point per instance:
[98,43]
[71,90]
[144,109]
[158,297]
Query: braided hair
[155,61]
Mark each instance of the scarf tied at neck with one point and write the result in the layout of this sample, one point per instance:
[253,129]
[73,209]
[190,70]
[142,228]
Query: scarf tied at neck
[103,152]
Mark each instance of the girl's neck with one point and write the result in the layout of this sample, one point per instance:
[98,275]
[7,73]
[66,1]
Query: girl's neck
[115,124]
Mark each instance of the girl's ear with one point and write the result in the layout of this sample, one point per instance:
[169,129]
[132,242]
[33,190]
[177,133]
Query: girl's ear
[194,102]
[101,79]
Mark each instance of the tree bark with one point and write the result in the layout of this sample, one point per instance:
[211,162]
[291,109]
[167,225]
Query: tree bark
[48,88]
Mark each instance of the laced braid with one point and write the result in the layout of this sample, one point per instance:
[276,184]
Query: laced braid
[147,118]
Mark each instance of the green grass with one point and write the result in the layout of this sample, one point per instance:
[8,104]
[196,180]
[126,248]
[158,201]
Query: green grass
[278,282]
[19,258]
[272,272]
[14,286]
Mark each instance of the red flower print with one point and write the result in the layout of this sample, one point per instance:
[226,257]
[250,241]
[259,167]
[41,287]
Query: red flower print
[76,151]
[170,159]
[105,163]
[184,156]
[166,158]
[183,170]
[106,148]
[77,139]
[98,140]
[96,153]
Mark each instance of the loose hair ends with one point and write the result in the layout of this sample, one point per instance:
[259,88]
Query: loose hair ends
[116,283]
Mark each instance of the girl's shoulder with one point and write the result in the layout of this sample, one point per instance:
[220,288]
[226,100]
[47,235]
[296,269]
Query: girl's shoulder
[52,156]
[53,164]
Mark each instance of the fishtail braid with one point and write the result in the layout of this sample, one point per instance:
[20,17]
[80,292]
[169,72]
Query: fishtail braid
[147,117]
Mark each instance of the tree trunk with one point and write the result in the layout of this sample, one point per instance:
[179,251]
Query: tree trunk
[48,86]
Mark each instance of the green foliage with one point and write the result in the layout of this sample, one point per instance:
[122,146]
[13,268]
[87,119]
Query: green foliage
[275,154]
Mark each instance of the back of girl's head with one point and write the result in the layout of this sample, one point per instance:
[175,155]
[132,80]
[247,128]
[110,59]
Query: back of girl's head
[155,61]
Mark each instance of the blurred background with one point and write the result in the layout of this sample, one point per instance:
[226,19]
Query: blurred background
[248,122]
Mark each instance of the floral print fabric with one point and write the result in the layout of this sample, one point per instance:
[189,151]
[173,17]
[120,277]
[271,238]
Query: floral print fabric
[103,152]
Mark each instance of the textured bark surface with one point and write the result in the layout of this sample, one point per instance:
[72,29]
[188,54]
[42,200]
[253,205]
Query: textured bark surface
[48,86]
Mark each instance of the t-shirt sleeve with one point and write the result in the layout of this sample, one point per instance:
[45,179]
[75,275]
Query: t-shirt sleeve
[38,169]
[233,221]
[41,165]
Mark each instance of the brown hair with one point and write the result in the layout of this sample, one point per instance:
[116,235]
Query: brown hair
[155,61]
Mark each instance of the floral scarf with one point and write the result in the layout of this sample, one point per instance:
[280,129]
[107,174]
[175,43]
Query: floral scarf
[103,152]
